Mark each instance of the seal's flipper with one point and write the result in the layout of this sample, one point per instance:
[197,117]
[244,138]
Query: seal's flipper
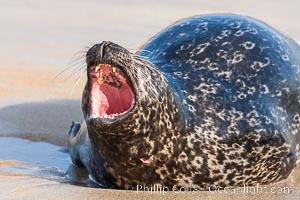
[73,144]
[74,129]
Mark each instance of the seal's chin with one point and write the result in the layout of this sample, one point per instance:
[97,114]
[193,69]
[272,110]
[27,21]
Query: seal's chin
[111,93]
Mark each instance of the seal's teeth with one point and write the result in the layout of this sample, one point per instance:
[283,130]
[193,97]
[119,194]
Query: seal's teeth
[97,68]
[105,115]
[114,69]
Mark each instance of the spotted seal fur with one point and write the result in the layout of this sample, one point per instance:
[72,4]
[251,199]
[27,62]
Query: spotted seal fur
[210,100]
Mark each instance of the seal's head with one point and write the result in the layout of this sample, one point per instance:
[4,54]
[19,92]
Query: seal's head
[111,86]
[124,90]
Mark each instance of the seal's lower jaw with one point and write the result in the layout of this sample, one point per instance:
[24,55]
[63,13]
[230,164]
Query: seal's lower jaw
[111,94]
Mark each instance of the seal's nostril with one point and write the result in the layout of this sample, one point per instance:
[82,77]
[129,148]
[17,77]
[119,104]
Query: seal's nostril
[108,43]
[114,46]
[101,49]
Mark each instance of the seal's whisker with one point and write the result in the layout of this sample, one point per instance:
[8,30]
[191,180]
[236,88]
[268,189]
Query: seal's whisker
[78,59]
[76,82]
[79,54]
[63,71]
[77,65]
[78,69]
[86,47]
[76,62]
[140,50]
[139,57]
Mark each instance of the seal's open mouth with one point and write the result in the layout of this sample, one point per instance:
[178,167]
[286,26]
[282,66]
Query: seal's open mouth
[111,92]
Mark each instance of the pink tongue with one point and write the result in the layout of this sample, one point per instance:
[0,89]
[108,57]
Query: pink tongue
[99,102]
[106,99]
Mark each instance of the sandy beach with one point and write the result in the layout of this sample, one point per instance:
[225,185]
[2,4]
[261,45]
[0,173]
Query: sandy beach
[43,44]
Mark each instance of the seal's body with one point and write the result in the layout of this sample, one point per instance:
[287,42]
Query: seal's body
[210,100]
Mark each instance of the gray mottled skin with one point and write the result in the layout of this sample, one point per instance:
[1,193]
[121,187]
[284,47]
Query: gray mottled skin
[217,102]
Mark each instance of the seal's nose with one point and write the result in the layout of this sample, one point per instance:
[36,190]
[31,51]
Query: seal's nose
[105,47]
[101,47]
[110,46]
[97,52]
[108,53]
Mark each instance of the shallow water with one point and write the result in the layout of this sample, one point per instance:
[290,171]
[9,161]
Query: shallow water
[42,160]
[35,153]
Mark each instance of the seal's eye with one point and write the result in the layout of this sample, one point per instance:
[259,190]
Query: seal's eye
[111,93]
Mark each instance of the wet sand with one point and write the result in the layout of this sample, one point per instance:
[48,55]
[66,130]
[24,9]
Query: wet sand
[40,121]
[39,39]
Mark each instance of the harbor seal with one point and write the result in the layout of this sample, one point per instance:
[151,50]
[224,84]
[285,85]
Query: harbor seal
[209,100]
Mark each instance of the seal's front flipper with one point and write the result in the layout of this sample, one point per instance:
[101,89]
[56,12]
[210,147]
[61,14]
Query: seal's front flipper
[73,144]
[74,129]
